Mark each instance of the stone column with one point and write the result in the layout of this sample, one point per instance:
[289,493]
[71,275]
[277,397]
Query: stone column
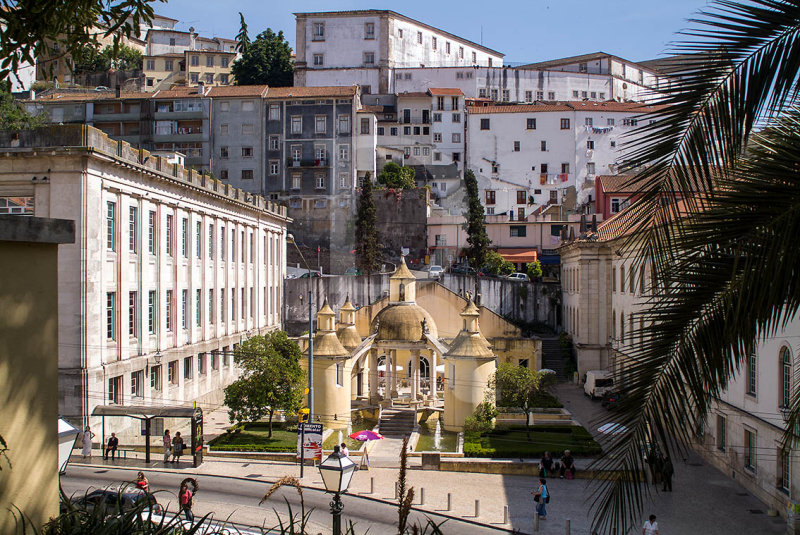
[432,362]
[393,356]
[417,375]
[413,363]
[372,386]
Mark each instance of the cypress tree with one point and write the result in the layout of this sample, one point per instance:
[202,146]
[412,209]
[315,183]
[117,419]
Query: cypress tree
[367,248]
[477,238]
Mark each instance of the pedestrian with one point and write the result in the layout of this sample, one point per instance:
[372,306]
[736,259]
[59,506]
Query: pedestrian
[344,450]
[142,483]
[567,465]
[177,447]
[650,526]
[541,497]
[545,465]
[113,442]
[667,470]
[185,496]
[86,449]
[167,446]
[652,463]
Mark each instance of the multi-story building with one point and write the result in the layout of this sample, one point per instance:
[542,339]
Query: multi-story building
[182,123]
[365,47]
[530,155]
[170,269]
[174,58]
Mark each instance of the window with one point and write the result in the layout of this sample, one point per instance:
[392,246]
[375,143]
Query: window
[223,62]
[530,123]
[369,58]
[400,33]
[247,174]
[447,47]
[247,152]
[184,237]
[274,143]
[564,168]
[590,144]
[195,61]
[610,121]
[151,312]
[223,79]
[168,311]
[528,96]
[319,181]
[320,124]
[155,377]
[456,155]
[426,151]
[750,450]
[516,146]
[613,144]
[616,205]
[201,363]
[150,65]
[274,112]
[406,130]
[485,124]
[588,121]
[474,57]
[419,38]
[132,314]
[518,231]
[393,131]
[456,117]
[434,43]
[115,390]
[297,124]
[344,152]
[751,372]
[506,95]
[344,124]
[187,368]
[198,239]
[247,129]
[111,312]
[786,377]
[137,388]
[318,31]
[461,52]
[233,304]
[339,374]
[171,41]
[209,78]
[198,303]
[602,96]
[456,138]
[784,473]
[543,148]
[168,237]
[583,94]
[242,246]
[342,180]
[522,196]
[489,196]
[437,156]
[551,95]
[416,151]
[631,280]
[111,225]
[151,232]
[629,121]
[590,168]
[365,125]
[490,210]
[132,226]
[274,167]
[172,372]
[369,30]
[381,131]
[242,303]
[564,124]
[319,60]
[482,92]
[223,129]
[223,152]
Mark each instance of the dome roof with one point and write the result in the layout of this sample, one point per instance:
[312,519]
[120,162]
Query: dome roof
[403,322]
[348,336]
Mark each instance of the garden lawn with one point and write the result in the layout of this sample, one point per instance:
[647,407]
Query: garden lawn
[512,442]
[254,438]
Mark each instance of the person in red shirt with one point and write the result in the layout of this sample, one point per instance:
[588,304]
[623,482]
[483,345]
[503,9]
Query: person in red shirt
[142,483]
[185,496]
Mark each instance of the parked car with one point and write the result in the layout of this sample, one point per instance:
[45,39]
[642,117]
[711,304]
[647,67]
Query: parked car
[597,383]
[462,270]
[611,399]
[521,277]
[435,272]
[353,271]
[118,499]
[314,274]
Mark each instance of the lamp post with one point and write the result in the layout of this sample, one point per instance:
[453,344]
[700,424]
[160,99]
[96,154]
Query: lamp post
[290,239]
[337,472]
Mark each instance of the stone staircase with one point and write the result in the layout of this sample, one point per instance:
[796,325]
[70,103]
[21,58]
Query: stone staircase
[551,356]
[397,422]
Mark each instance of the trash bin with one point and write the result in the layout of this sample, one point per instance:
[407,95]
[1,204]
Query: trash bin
[430,461]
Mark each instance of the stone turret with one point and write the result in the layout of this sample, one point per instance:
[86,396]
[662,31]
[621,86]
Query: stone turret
[347,333]
[331,372]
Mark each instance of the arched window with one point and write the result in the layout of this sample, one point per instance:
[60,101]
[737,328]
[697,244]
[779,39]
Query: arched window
[786,377]
[613,324]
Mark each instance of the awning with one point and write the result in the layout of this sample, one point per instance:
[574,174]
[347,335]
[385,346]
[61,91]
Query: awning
[518,256]
[550,259]
[144,411]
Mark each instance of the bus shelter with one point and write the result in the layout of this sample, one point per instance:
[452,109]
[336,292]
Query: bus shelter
[146,415]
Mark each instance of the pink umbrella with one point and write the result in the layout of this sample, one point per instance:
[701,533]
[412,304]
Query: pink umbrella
[366,435]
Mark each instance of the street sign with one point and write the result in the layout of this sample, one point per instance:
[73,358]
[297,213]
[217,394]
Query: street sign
[312,441]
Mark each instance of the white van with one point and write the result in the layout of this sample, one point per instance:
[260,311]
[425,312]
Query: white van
[598,382]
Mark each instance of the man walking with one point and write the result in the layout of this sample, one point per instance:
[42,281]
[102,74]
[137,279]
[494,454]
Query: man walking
[650,526]
[113,442]
[667,471]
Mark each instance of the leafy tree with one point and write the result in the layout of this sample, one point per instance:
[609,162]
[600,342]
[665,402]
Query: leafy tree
[267,60]
[271,380]
[518,386]
[12,115]
[397,176]
[724,259]
[482,419]
[242,38]
[91,59]
[368,254]
[534,270]
[29,29]
[497,265]
[477,238]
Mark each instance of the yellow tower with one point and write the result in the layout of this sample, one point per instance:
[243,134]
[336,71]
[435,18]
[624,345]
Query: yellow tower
[331,372]
[469,363]
[347,333]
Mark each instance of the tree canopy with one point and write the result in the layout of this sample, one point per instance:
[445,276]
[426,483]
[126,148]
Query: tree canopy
[497,265]
[242,38]
[92,59]
[477,238]
[534,270]
[397,176]
[30,29]
[12,115]
[271,380]
[266,60]
[518,386]
[368,254]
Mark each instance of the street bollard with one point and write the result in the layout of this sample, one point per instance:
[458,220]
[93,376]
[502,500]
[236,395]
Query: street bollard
[477,508]
[449,502]
[505,514]
[566,526]
[536,522]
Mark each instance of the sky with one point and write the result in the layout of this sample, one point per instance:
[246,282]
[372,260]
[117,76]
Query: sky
[525,31]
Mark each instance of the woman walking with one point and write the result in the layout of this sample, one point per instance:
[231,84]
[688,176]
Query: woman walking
[86,450]
[177,447]
[167,446]
[186,495]
[142,483]
[541,497]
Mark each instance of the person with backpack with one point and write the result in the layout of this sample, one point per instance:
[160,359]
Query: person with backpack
[541,497]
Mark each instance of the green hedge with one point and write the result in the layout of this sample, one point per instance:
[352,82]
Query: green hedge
[511,442]
[267,448]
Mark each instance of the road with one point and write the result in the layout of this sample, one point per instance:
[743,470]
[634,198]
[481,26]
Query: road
[237,500]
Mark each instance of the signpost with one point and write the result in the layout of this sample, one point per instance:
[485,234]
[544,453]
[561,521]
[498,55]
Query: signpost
[309,443]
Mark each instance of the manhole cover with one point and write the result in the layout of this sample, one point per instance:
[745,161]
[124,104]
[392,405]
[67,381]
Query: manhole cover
[756,511]
[253,475]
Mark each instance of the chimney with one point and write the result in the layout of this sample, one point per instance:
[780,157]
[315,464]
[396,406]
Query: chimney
[192,39]
[583,224]
[200,87]
[594,222]
[117,91]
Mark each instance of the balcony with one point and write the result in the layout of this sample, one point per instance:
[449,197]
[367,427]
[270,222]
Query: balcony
[116,117]
[318,162]
[553,178]
[177,115]
[184,134]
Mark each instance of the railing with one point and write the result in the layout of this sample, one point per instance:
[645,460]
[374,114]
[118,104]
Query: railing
[553,178]
[317,162]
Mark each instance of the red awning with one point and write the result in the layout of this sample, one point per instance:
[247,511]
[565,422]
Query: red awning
[518,256]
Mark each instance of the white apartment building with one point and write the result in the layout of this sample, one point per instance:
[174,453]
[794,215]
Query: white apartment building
[526,156]
[169,272]
[363,47]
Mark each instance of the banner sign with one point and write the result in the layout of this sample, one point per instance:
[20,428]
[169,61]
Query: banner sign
[312,443]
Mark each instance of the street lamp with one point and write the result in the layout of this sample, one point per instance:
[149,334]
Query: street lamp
[337,472]
[290,239]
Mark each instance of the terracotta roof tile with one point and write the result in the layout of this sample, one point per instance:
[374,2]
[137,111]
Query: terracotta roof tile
[518,108]
[613,105]
[88,96]
[239,91]
[180,92]
[414,94]
[305,92]
[445,91]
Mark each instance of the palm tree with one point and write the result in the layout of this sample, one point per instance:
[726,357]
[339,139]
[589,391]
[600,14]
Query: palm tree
[725,258]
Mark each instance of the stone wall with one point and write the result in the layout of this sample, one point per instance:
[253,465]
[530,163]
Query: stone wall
[402,221]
